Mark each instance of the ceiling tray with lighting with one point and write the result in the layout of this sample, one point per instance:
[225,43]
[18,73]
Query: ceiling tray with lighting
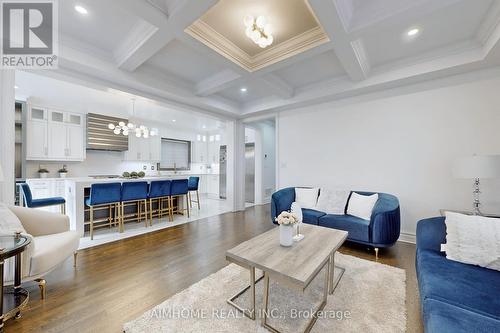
[256,34]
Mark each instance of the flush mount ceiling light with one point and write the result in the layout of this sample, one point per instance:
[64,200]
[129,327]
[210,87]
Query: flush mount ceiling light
[140,130]
[413,32]
[243,89]
[81,10]
[258,30]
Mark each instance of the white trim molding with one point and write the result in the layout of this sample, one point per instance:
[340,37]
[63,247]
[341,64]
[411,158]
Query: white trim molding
[406,237]
[293,46]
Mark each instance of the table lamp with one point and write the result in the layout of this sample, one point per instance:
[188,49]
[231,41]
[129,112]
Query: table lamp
[477,167]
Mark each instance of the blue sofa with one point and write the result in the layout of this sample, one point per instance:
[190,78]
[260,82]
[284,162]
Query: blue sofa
[382,230]
[454,297]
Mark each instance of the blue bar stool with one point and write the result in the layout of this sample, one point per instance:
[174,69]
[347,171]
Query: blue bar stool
[179,191]
[136,193]
[38,203]
[193,187]
[160,191]
[106,194]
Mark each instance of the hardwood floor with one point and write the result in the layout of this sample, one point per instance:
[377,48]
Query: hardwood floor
[117,282]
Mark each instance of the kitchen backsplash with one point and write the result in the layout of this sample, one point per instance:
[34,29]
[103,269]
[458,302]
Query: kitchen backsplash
[106,163]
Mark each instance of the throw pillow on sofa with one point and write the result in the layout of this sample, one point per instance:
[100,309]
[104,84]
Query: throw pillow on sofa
[473,240]
[306,197]
[332,201]
[361,205]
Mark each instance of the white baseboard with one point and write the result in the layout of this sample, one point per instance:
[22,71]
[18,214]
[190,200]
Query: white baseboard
[407,238]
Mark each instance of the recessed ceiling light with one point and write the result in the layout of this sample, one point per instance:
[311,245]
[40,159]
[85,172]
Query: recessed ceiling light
[243,89]
[81,10]
[203,126]
[16,87]
[413,32]
[173,120]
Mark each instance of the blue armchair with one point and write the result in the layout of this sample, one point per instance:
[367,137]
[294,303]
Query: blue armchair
[382,230]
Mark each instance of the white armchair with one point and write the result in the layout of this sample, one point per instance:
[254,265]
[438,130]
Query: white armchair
[53,242]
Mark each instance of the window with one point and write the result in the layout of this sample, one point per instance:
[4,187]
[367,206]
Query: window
[175,154]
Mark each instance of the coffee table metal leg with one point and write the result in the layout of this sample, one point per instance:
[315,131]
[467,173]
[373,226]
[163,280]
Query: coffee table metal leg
[265,306]
[251,312]
[17,279]
[334,281]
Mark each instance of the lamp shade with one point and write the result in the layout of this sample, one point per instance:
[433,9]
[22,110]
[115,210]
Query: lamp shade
[1,174]
[481,167]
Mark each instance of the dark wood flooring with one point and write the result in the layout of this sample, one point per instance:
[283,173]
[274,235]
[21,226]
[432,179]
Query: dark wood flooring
[117,282]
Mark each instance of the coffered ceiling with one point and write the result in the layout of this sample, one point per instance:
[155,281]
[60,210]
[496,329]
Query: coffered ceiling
[161,49]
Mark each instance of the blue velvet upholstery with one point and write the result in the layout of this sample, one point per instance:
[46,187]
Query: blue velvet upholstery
[455,297]
[193,183]
[104,193]
[358,229]
[159,188]
[134,191]
[179,187]
[311,216]
[37,203]
[382,230]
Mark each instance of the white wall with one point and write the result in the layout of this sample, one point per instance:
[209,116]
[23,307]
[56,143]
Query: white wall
[404,145]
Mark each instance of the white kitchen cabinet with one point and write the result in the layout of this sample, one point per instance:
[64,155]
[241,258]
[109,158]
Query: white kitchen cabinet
[57,135]
[143,149]
[36,139]
[213,186]
[54,135]
[199,152]
[213,152]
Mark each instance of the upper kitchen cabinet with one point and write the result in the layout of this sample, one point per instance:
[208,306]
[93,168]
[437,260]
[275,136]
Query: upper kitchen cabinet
[200,152]
[54,135]
[144,149]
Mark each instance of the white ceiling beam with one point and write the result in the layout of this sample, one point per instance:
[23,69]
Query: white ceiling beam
[350,53]
[276,85]
[158,31]
[217,82]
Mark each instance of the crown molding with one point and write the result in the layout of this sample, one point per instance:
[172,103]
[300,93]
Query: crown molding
[293,46]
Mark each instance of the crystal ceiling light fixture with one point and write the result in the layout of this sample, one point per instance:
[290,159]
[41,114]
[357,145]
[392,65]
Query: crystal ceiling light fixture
[140,131]
[258,30]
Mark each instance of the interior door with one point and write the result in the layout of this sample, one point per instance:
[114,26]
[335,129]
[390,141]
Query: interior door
[250,172]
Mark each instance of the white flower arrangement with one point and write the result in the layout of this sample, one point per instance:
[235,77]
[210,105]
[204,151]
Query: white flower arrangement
[287,218]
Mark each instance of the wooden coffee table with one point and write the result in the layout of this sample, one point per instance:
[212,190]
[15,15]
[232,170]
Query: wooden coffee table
[294,266]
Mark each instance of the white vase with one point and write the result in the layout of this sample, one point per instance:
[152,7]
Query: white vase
[43,174]
[286,235]
[62,174]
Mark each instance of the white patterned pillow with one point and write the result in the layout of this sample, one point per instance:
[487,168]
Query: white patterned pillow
[362,205]
[306,197]
[332,201]
[9,223]
[472,240]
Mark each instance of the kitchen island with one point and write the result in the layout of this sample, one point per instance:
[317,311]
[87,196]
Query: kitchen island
[75,193]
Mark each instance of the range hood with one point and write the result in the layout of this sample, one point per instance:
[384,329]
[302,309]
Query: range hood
[100,137]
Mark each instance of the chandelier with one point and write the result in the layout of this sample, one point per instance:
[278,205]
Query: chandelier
[139,130]
[258,30]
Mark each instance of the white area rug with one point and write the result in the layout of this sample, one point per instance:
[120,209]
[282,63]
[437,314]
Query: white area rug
[369,298]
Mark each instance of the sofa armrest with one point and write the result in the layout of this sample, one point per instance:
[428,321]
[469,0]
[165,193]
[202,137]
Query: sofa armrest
[282,201]
[385,222]
[431,233]
[40,223]
[386,227]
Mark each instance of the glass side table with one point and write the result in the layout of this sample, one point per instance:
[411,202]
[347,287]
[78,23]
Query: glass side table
[13,298]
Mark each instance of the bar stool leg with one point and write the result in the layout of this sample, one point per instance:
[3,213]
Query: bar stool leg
[122,226]
[151,212]
[138,211]
[145,212]
[187,206]
[190,200]
[91,222]
[171,208]
[198,198]
[110,216]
